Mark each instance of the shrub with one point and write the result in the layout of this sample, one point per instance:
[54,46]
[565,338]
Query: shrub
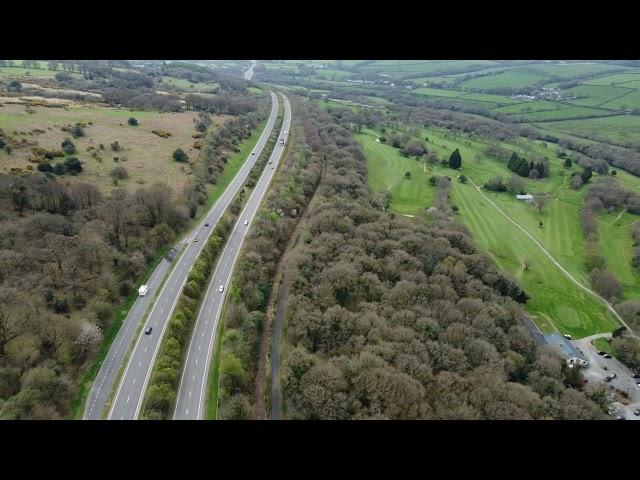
[495,184]
[133,122]
[73,165]
[45,167]
[77,131]
[119,173]
[68,147]
[180,156]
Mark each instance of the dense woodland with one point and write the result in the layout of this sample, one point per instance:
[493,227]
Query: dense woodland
[391,318]
[71,256]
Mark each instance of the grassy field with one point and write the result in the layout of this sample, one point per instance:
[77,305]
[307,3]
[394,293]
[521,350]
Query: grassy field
[482,97]
[563,113]
[616,244]
[436,92]
[148,156]
[596,95]
[556,302]
[25,72]
[527,107]
[525,75]
[615,79]
[620,128]
[627,102]
[187,85]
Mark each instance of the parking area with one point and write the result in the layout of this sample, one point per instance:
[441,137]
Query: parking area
[623,385]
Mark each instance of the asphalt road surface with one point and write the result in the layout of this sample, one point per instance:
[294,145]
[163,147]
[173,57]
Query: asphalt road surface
[192,394]
[599,368]
[128,399]
[103,383]
[248,75]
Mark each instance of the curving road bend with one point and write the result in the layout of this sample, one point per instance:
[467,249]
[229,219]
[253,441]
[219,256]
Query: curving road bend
[128,399]
[192,394]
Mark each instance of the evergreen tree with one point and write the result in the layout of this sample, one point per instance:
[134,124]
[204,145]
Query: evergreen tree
[455,160]
[568,163]
[523,169]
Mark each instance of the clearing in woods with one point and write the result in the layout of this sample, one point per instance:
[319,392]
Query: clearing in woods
[146,156]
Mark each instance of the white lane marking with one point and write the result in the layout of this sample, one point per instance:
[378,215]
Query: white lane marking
[145,348]
[134,381]
[189,394]
[236,184]
[128,398]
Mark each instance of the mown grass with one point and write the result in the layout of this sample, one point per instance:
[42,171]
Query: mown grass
[616,244]
[604,346]
[556,302]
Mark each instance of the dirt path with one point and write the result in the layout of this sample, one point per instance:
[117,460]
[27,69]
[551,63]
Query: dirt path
[551,257]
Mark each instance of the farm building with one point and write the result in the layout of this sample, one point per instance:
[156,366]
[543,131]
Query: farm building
[525,198]
[568,350]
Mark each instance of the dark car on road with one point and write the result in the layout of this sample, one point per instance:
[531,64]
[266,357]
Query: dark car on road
[606,355]
[600,352]
[636,375]
[148,330]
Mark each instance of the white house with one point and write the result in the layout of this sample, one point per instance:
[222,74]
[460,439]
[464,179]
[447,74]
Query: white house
[525,198]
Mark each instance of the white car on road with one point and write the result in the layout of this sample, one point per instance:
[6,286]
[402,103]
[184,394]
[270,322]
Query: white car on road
[221,288]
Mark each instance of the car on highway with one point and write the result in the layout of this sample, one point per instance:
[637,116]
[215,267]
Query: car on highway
[246,222]
[253,153]
[196,239]
[285,132]
[621,417]
[148,330]
[221,288]
[142,291]
[636,375]
[636,412]
[600,352]
[272,167]
[206,224]
[567,336]
[606,355]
